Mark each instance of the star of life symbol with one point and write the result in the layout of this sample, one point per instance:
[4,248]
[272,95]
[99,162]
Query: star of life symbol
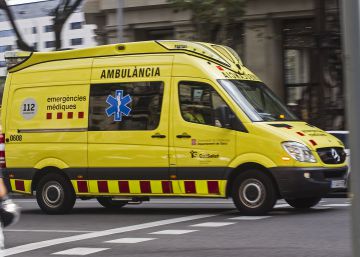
[118,105]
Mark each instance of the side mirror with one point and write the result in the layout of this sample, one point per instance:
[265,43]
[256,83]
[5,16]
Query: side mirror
[224,116]
[228,119]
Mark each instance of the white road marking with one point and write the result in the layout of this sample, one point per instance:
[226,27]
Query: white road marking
[282,205]
[51,242]
[337,205]
[48,231]
[172,232]
[320,208]
[249,218]
[128,240]
[213,224]
[81,251]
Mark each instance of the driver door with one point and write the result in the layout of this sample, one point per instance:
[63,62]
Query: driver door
[203,146]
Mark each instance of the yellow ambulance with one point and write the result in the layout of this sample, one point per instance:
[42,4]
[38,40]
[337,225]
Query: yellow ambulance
[128,122]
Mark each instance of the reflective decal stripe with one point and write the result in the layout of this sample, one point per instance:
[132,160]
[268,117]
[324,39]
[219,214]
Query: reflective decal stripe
[166,187]
[145,187]
[190,187]
[82,186]
[137,187]
[213,187]
[124,187]
[150,187]
[21,186]
[103,186]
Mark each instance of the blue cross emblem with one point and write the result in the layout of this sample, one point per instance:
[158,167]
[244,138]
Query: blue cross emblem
[118,105]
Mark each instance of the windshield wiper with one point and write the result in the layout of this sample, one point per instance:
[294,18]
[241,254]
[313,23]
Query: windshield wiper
[267,116]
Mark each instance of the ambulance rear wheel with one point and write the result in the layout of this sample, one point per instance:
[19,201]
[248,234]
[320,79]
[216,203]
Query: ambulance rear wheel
[303,203]
[55,194]
[110,203]
[253,193]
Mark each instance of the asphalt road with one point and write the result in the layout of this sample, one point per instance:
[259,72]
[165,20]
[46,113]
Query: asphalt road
[181,228]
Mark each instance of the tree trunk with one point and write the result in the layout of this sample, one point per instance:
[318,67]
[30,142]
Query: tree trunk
[57,32]
[61,13]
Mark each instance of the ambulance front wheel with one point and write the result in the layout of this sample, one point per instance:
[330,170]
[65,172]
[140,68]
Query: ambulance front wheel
[55,194]
[110,203]
[253,193]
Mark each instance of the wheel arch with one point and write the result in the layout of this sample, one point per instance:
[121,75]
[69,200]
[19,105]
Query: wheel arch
[245,167]
[43,172]
[51,162]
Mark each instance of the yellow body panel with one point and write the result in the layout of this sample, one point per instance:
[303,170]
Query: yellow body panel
[49,122]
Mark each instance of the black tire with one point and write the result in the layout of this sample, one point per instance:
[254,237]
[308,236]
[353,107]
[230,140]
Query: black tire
[109,203]
[254,193]
[303,203]
[55,194]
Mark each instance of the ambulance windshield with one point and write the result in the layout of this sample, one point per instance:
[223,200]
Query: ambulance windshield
[257,100]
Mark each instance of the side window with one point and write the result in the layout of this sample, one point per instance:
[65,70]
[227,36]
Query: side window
[200,103]
[125,106]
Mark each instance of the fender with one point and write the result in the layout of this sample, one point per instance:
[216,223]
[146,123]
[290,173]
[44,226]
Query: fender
[252,157]
[51,162]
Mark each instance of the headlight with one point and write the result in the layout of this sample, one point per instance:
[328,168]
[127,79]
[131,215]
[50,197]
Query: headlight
[299,152]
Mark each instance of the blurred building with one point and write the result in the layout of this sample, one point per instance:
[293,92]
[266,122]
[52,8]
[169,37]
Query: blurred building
[293,45]
[35,24]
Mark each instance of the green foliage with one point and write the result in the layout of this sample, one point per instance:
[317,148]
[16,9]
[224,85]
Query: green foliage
[211,18]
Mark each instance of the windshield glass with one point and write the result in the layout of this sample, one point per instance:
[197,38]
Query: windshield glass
[257,100]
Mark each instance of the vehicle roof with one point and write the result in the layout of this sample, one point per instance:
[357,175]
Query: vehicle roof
[218,54]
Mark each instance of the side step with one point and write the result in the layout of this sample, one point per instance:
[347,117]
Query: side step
[131,200]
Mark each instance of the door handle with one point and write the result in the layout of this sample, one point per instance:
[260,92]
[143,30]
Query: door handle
[183,135]
[158,135]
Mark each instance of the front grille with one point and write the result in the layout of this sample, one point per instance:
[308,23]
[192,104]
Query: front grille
[334,174]
[332,155]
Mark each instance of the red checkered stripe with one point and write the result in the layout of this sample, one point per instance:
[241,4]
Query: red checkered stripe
[150,187]
[64,115]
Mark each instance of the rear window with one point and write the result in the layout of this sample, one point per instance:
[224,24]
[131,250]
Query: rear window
[125,106]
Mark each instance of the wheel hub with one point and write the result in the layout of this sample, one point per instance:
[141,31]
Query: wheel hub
[252,193]
[53,194]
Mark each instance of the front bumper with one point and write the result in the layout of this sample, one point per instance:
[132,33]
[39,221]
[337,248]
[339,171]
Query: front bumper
[292,183]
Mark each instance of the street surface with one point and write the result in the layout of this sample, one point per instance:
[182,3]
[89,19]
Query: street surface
[181,227]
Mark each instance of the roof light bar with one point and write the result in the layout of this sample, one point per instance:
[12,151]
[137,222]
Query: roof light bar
[14,58]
